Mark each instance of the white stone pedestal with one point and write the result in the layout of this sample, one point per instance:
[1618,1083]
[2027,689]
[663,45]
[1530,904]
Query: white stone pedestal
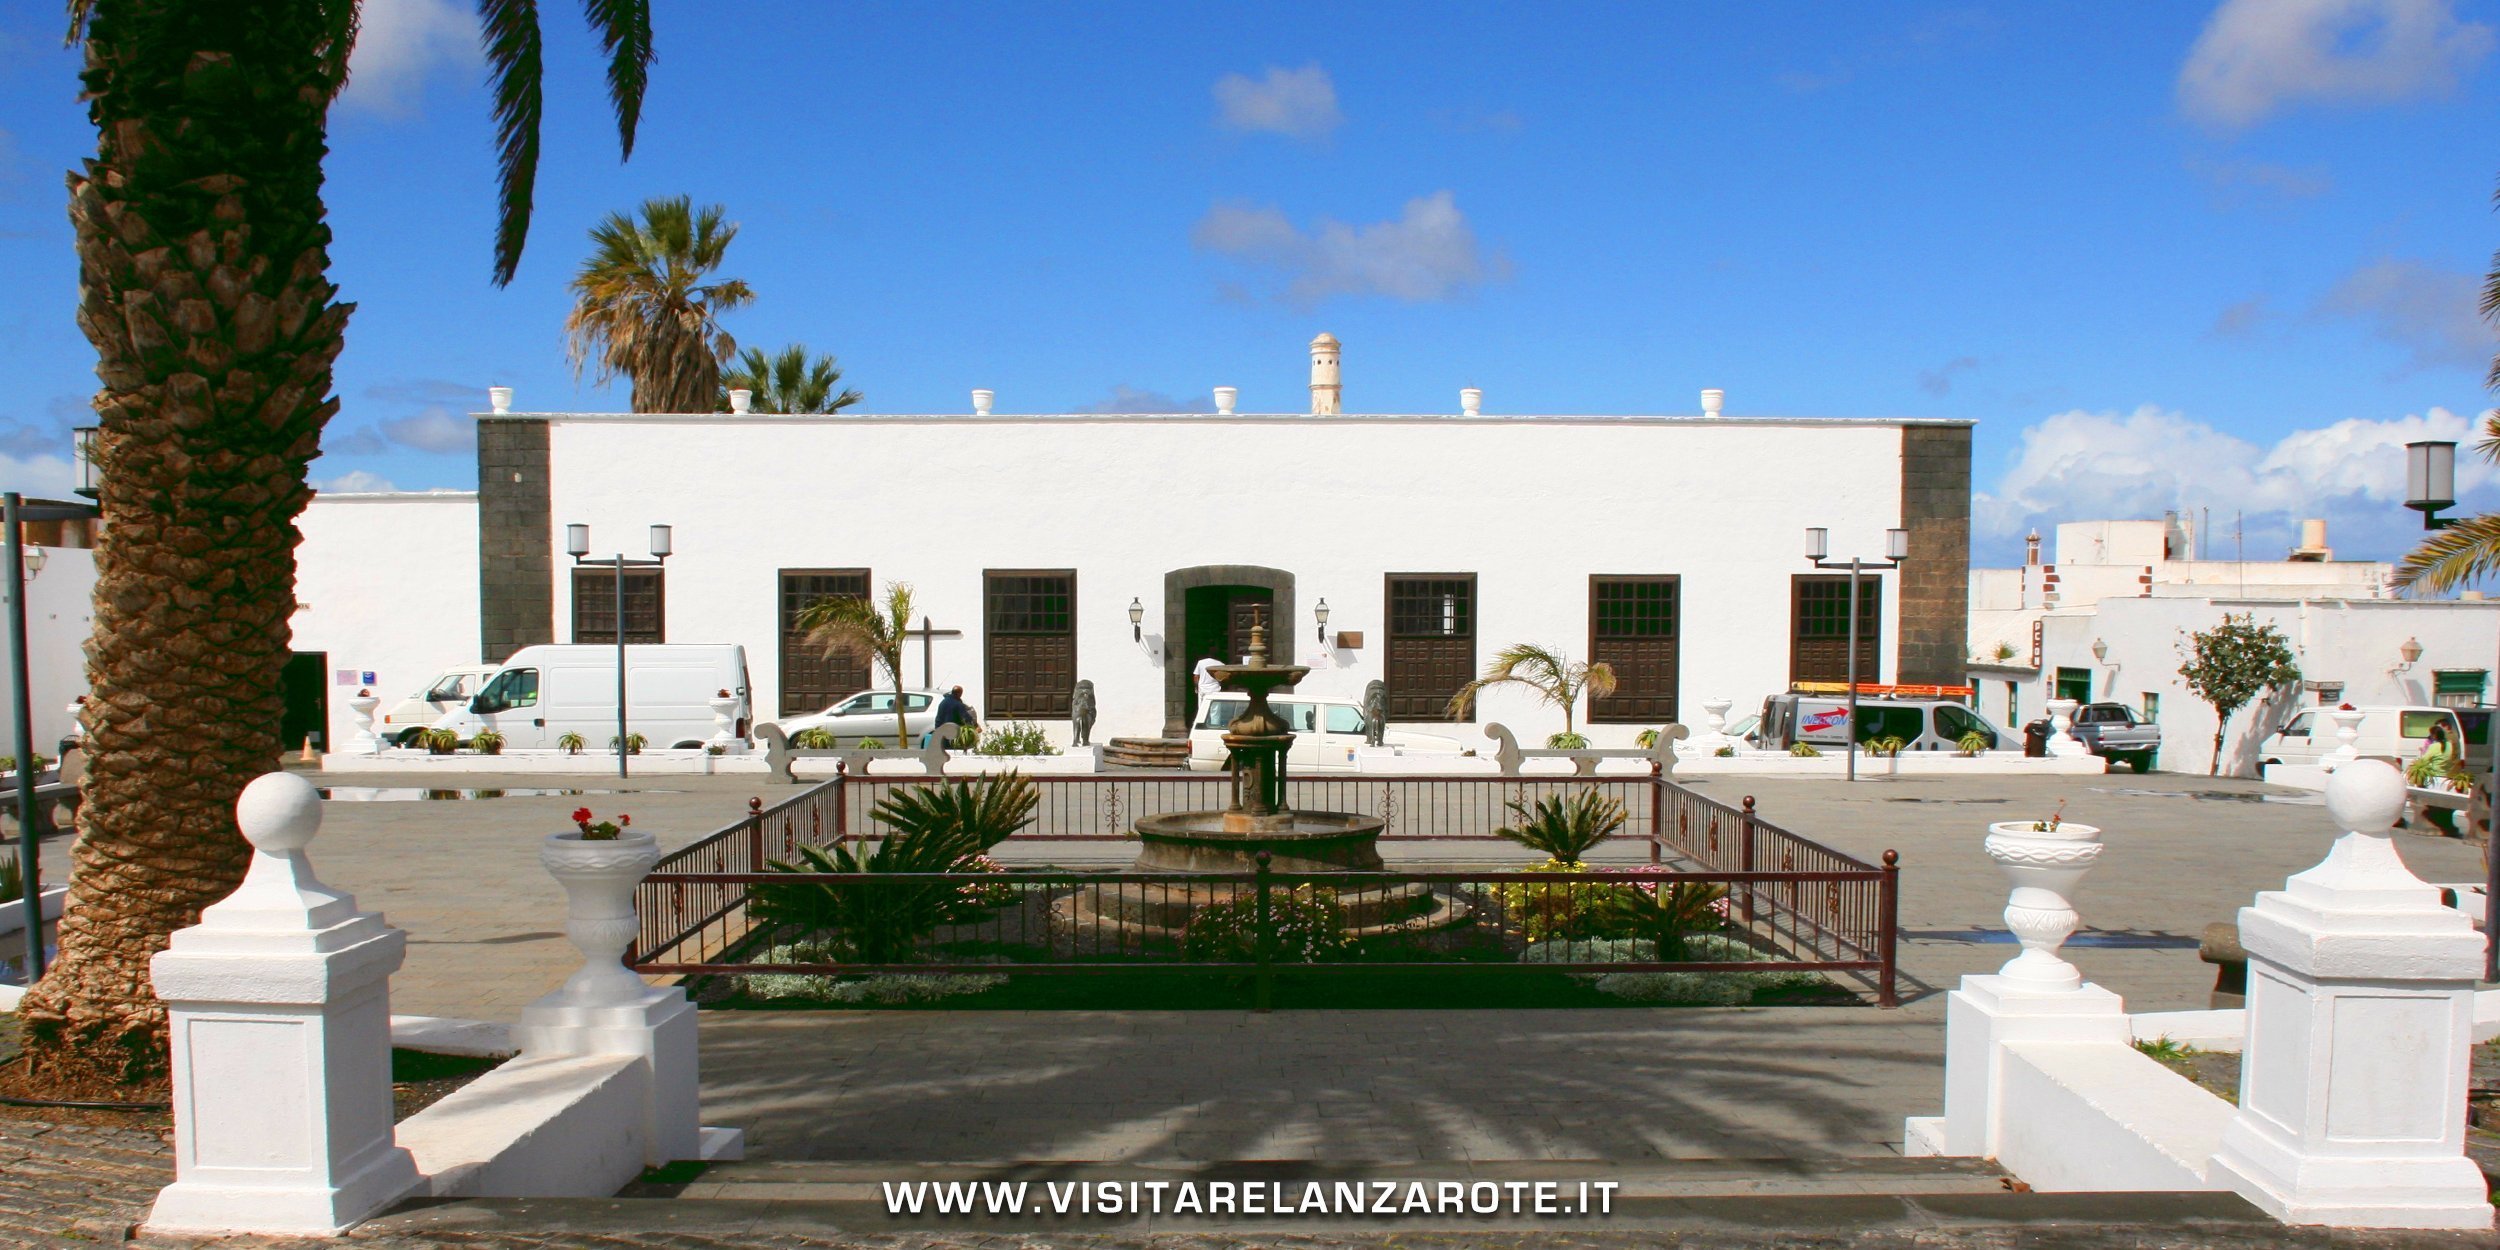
[364,741]
[2347,738]
[724,723]
[1981,1019]
[2062,739]
[281,1023]
[2360,1031]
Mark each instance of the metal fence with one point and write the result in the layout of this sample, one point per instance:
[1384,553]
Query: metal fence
[1787,896]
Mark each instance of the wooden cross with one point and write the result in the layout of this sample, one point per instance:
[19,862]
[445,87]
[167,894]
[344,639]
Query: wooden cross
[927,636]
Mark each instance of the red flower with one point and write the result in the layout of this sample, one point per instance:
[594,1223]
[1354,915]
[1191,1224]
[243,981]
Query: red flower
[623,819]
[581,815]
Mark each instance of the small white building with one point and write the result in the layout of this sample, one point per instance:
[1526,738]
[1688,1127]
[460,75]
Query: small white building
[2108,619]
[1121,549]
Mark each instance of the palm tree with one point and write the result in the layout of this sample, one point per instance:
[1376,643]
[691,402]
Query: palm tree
[788,381]
[642,307]
[2468,550]
[204,285]
[1552,675]
[844,624]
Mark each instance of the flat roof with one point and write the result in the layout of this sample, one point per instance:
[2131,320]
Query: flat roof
[1261,418]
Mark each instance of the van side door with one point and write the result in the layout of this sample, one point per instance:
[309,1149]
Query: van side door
[509,706]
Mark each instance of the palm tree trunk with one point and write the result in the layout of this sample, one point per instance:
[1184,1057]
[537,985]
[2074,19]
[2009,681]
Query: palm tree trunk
[203,284]
[894,669]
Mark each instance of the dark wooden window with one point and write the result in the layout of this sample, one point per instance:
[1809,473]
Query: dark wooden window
[1432,643]
[1632,629]
[1819,634]
[810,682]
[594,605]
[1029,638]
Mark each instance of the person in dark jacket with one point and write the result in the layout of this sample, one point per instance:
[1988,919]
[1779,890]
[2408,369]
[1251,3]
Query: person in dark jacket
[952,710]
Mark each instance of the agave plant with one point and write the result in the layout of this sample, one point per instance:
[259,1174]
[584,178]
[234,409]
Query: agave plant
[1805,751]
[931,830]
[1973,743]
[1889,744]
[1664,913]
[1564,829]
[815,739]
[570,743]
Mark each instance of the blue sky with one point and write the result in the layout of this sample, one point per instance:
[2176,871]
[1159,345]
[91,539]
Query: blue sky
[2165,254]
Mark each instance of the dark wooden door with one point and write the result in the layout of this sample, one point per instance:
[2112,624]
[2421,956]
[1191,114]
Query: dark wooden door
[306,680]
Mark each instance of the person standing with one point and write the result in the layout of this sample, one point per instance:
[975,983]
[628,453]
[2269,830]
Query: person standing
[952,710]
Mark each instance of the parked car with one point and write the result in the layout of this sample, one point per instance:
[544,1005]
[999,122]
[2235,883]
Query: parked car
[1921,724]
[870,714]
[545,692]
[1326,733]
[449,690]
[2396,733]
[2116,733]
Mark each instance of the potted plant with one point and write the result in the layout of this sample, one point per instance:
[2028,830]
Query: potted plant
[634,744]
[2044,860]
[570,743]
[1887,745]
[487,742]
[1972,743]
[598,863]
[440,741]
[817,739]
[1805,751]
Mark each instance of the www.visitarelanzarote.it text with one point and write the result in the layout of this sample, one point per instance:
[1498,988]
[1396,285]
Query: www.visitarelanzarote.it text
[1333,1198]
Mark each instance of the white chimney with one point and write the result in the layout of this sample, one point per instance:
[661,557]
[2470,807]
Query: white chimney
[1711,399]
[499,398]
[1326,389]
[981,402]
[1225,397]
[2313,542]
[741,400]
[1470,401]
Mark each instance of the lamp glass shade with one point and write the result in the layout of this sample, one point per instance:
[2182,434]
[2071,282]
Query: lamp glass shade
[82,447]
[2100,648]
[1321,612]
[1136,611]
[1818,542]
[2430,475]
[577,540]
[1896,544]
[660,542]
[34,560]
[2411,651]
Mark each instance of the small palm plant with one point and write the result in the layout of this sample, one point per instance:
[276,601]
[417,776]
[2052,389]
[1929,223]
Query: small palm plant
[487,742]
[846,624]
[634,743]
[1889,744]
[931,830]
[1973,743]
[1805,751]
[1664,914]
[791,380]
[816,739]
[1554,677]
[440,741]
[1564,828]
[570,743]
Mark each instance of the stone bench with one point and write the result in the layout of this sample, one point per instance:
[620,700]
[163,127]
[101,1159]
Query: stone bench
[1508,755]
[779,755]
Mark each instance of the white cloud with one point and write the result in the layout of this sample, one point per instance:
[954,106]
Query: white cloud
[38,477]
[1939,380]
[2434,314]
[354,482]
[1298,102]
[398,44]
[2256,56]
[434,430]
[1428,253]
[2081,466]
[2237,181]
[1128,399]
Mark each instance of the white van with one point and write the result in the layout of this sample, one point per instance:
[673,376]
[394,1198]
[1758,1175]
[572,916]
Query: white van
[545,692]
[448,691]
[2396,733]
[1326,733]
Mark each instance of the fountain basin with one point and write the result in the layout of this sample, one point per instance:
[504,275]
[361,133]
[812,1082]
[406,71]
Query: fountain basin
[1231,842]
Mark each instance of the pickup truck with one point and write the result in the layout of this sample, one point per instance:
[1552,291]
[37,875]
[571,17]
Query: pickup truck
[2114,732]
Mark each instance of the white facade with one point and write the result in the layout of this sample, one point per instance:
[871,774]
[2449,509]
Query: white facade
[385,584]
[60,613]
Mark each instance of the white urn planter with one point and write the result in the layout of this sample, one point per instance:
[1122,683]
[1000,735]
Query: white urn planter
[725,721]
[2045,866]
[599,876]
[2062,739]
[365,741]
[2347,737]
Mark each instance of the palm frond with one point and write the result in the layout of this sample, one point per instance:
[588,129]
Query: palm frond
[624,30]
[515,73]
[79,12]
[342,21]
[2465,552]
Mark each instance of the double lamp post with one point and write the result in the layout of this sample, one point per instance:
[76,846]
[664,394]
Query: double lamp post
[577,545]
[1818,548]
[2431,488]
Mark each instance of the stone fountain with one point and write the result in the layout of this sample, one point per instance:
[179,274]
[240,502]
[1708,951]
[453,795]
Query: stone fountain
[1257,821]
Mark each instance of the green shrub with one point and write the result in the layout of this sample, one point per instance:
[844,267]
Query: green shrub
[976,897]
[1725,753]
[1571,909]
[1889,744]
[2166,1050]
[1974,742]
[1658,909]
[1307,923]
[1014,738]
[440,741]
[1567,741]
[872,744]
[634,743]
[1646,739]
[570,743]
[1805,751]
[487,742]
[816,739]
[1564,828]
[931,829]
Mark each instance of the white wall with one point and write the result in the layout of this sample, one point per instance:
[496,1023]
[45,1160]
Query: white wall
[1534,506]
[60,613]
[2350,641]
[389,586]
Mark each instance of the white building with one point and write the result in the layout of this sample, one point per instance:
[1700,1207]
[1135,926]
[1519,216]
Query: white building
[2109,617]
[1670,546]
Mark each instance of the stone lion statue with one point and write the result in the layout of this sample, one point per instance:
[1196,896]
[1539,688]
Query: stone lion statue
[1081,711]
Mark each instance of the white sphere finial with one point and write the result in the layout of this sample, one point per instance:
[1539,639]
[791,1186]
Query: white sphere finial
[279,812]
[2365,796]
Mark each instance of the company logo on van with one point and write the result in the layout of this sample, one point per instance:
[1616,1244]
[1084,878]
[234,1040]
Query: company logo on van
[1816,722]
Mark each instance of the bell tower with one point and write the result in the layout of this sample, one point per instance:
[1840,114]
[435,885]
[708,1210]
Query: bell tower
[1325,391]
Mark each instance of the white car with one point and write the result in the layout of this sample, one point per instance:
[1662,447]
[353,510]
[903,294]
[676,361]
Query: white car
[870,714]
[1326,733]
[449,691]
[2397,733]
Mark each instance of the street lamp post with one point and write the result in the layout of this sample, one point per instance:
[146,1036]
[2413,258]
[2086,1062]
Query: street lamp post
[2430,489]
[577,545]
[15,512]
[1897,550]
